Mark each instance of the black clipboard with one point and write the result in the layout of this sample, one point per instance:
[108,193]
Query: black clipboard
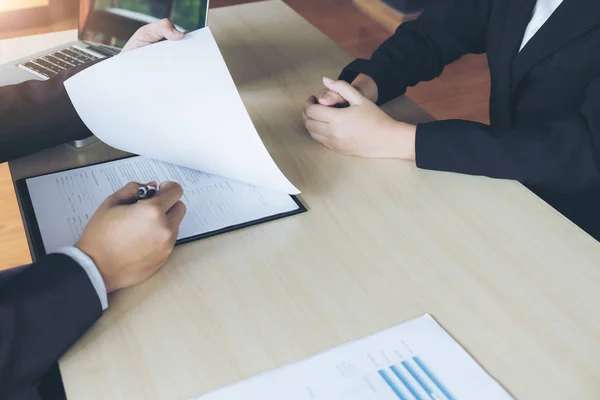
[35,236]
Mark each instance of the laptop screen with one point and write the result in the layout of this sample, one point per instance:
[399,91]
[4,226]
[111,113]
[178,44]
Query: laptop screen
[113,22]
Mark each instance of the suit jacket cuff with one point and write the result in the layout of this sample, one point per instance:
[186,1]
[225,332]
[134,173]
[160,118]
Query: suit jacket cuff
[90,269]
[430,151]
[38,114]
[389,83]
[460,146]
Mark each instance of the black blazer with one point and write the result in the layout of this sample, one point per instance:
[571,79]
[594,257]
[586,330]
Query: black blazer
[544,100]
[36,115]
[44,307]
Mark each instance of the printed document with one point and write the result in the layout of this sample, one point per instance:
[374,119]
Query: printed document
[416,360]
[64,202]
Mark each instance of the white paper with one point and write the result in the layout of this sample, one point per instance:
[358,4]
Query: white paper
[176,102]
[382,367]
[64,202]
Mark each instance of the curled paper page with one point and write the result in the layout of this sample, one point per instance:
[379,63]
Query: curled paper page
[176,102]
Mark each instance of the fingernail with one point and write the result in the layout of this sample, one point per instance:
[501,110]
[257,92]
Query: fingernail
[327,80]
[326,97]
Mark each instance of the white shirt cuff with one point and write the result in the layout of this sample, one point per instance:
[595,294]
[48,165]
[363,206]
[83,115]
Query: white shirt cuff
[90,269]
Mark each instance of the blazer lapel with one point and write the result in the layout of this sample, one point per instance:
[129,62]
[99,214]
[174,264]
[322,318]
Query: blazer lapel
[571,19]
[517,15]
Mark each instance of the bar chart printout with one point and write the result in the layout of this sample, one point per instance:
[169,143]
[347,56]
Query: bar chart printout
[416,360]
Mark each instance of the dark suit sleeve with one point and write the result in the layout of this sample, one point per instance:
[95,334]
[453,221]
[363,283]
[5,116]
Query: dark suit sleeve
[38,114]
[420,49]
[561,155]
[44,309]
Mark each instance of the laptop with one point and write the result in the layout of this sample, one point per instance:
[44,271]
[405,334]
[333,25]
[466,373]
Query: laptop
[104,28]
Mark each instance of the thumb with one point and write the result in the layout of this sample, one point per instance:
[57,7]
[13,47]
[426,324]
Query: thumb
[344,89]
[165,29]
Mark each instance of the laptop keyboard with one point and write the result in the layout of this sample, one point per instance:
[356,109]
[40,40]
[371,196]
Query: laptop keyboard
[63,60]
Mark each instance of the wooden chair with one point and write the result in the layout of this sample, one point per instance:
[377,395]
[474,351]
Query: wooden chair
[386,14]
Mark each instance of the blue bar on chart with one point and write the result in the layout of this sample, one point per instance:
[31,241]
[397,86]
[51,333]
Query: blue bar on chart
[400,375]
[418,378]
[391,384]
[433,378]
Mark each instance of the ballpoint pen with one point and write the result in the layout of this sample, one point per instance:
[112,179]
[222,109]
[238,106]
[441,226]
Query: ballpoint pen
[146,192]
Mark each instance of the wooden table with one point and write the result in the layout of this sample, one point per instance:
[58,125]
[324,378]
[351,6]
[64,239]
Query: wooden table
[11,5]
[512,280]
[14,250]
